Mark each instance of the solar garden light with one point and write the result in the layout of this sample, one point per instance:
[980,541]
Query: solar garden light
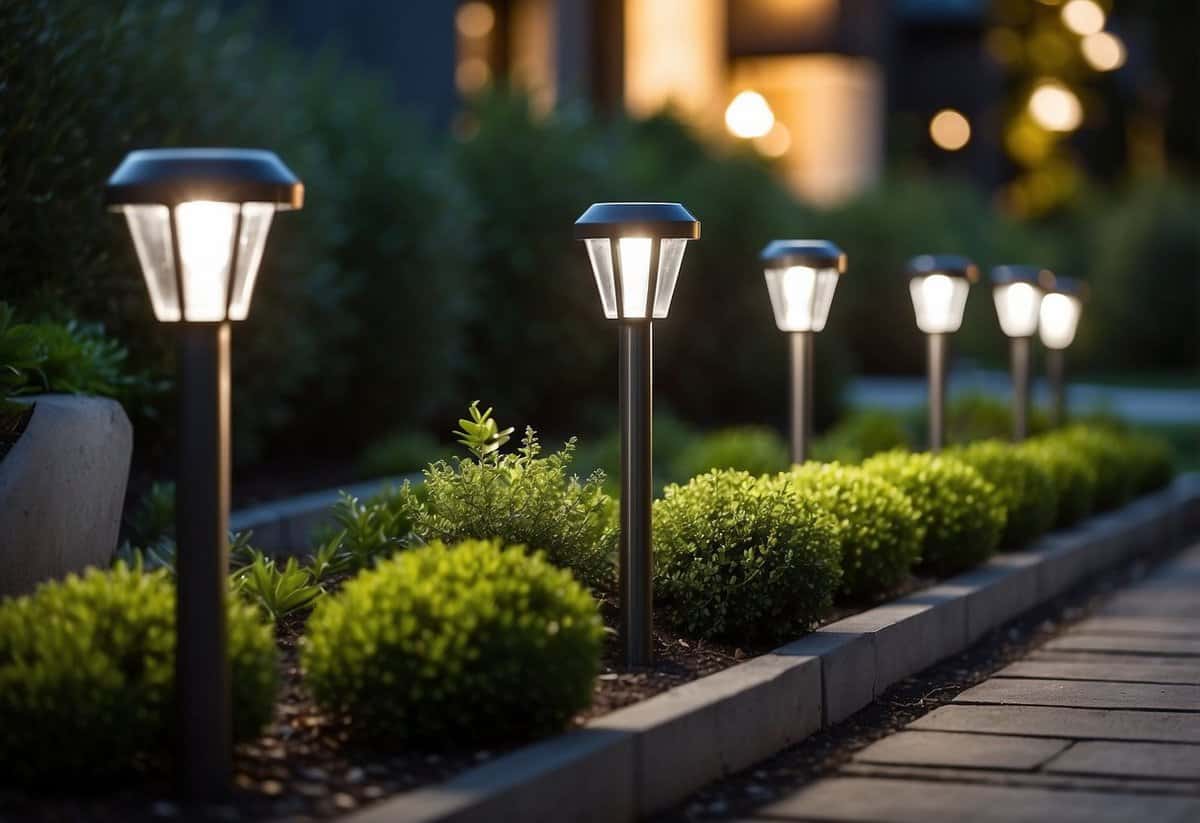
[801,278]
[1018,294]
[635,250]
[199,220]
[938,284]
[1058,321]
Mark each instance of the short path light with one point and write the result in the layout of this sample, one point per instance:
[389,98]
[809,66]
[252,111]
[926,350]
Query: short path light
[1018,294]
[939,284]
[199,220]
[636,249]
[801,278]
[1058,321]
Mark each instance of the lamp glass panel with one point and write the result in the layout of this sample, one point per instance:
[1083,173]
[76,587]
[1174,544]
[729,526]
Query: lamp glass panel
[938,301]
[205,247]
[801,296]
[1059,320]
[150,226]
[600,253]
[670,257]
[256,223]
[1017,306]
[635,274]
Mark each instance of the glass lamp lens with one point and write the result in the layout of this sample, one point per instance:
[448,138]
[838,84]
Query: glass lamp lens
[669,259]
[150,227]
[938,301]
[205,248]
[1017,307]
[801,296]
[1059,320]
[634,256]
[600,253]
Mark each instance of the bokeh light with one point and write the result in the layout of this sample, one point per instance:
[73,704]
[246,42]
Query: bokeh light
[472,74]
[1055,107]
[1083,16]
[475,19]
[1103,51]
[950,130]
[776,142]
[749,115]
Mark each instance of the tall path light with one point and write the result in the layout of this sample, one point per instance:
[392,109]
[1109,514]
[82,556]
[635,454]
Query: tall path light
[938,284]
[802,276]
[1058,320]
[1017,291]
[635,250]
[199,220]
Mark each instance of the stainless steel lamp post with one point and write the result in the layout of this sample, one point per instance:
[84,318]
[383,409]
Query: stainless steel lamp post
[801,278]
[1017,291]
[938,284]
[635,250]
[1058,321]
[199,220]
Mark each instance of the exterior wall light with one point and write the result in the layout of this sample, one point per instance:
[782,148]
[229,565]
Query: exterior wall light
[1057,323]
[802,276]
[1018,294]
[199,220]
[635,251]
[939,284]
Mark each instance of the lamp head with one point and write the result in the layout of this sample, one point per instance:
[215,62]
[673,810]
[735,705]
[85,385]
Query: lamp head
[1060,311]
[801,278]
[938,284]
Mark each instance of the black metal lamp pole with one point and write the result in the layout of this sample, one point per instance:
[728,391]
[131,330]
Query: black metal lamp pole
[1058,321]
[802,391]
[937,343]
[636,250]
[1021,352]
[1056,376]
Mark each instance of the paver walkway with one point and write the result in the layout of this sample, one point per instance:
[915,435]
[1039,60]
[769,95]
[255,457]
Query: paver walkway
[1100,724]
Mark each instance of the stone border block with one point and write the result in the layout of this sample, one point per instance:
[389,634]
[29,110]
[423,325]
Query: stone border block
[847,668]
[995,593]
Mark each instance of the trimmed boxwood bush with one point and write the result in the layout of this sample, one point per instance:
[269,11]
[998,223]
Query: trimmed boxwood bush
[755,449]
[877,525]
[1150,460]
[1102,448]
[860,435]
[1026,489]
[743,559]
[963,514]
[448,645]
[87,675]
[1073,476]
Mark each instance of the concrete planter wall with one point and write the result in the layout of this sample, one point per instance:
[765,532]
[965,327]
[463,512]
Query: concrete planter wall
[62,487]
[642,759]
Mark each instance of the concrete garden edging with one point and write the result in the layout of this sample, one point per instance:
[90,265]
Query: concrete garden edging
[644,758]
[62,488]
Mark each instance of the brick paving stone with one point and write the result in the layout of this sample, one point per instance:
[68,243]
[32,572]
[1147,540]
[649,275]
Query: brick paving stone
[1110,625]
[1139,670]
[975,751]
[1046,721]
[1084,694]
[914,801]
[1167,761]
[1126,643]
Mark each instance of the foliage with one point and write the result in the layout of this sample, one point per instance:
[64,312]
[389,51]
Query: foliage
[367,531]
[861,434]
[153,517]
[1102,449]
[1026,489]
[671,437]
[743,559]
[976,416]
[755,449]
[1151,461]
[87,673]
[963,514]
[1073,476]
[452,645]
[278,591]
[400,452]
[877,525]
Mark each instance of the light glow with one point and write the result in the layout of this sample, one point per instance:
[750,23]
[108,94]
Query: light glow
[938,301]
[1083,16]
[1103,51]
[635,274]
[1017,307]
[1059,320]
[950,130]
[776,142]
[472,74]
[205,246]
[749,115]
[801,296]
[1055,107]
[475,19]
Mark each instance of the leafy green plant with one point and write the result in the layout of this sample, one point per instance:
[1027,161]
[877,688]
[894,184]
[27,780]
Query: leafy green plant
[860,435]
[153,518]
[755,449]
[87,675]
[1026,489]
[451,645]
[743,559]
[1102,448]
[878,527]
[278,591]
[1073,476]
[368,530]
[963,514]
[1151,461]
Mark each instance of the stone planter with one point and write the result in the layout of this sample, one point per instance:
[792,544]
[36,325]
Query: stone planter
[62,488]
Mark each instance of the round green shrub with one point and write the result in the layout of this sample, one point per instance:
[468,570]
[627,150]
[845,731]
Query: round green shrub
[743,559]
[877,525]
[755,449]
[87,674]
[1102,448]
[860,435]
[447,645]
[1026,488]
[962,513]
[1150,460]
[1073,477]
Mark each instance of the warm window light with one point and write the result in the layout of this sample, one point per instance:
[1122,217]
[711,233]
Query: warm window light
[749,115]
[475,19]
[1059,319]
[1103,51]
[1017,306]
[950,130]
[1083,16]
[1055,107]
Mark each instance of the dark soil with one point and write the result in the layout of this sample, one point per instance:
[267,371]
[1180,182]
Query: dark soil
[13,420]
